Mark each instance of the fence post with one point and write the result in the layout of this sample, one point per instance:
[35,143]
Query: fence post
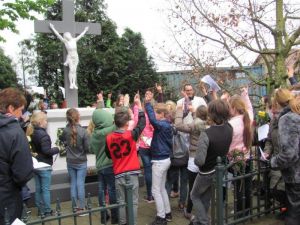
[219,188]
[129,200]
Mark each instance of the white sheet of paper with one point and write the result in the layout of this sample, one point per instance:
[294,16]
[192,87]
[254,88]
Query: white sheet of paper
[263,132]
[18,222]
[38,165]
[212,84]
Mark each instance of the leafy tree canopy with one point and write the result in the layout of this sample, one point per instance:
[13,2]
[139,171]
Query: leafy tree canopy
[11,11]
[8,77]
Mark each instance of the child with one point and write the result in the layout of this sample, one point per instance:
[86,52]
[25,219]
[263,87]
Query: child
[103,125]
[213,142]
[194,129]
[144,151]
[42,145]
[121,148]
[76,141]
[161,147]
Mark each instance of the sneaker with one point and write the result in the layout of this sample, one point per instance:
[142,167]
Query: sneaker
[159,221]
[149,199]
[189,216]
[51,213]
[79,210]
[169,217]
[174,194]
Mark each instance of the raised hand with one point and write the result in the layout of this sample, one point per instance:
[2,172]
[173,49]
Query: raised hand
[137,100]
[100,96]
[148,97]
[290,70]
[158,88]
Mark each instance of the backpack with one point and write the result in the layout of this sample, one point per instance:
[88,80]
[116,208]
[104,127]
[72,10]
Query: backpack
[180,149]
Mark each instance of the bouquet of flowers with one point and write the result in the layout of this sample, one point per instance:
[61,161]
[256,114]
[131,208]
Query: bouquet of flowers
[59,143]
[262,117]
[238,158]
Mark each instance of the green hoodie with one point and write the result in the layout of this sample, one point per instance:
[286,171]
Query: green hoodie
[104,125]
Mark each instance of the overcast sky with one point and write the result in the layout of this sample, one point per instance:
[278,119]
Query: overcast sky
[139,15]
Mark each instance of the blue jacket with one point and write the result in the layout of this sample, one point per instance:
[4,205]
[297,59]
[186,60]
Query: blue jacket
[161,144]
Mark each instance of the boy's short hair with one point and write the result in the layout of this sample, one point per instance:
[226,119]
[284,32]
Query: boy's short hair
[201,112]
[121,118]
[218,111]
[161,108]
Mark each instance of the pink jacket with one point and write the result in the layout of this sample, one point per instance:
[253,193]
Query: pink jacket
[238,127]
[148,130]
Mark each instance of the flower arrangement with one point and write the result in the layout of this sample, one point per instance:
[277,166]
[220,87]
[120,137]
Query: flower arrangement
[238,158]
[59,143]
[262,117]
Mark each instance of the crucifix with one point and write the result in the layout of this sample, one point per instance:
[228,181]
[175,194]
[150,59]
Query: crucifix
[70,28]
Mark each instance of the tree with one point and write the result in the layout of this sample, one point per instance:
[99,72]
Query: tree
[8,77]
[10,12]
[211,32]
[106,62]
[28,62]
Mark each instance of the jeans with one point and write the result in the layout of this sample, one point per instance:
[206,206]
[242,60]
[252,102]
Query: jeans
[106,179]
[171,178]
[201,196]
[77,173]
[120,182]
[146,159]
[159,176]
[42,190]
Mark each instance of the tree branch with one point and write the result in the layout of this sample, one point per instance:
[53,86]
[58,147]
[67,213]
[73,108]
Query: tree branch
[265,51]
[265,25]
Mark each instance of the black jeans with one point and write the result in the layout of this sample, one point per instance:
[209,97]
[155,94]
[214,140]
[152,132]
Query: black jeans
[191,176]
[243,189]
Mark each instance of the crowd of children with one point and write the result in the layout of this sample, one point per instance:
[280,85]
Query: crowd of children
[211,127]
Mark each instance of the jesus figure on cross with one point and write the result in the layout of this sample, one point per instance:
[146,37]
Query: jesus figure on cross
[72,56]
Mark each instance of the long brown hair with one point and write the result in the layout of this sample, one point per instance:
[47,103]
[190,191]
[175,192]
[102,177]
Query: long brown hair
[73,119]
[237,103]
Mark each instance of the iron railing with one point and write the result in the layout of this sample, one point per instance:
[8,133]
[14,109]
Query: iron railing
[74,217]
[232,188]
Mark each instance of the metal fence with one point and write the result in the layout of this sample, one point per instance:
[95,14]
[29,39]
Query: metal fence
[74,217]
[240,195]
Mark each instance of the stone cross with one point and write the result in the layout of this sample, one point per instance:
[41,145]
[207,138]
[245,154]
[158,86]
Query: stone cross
[68,24]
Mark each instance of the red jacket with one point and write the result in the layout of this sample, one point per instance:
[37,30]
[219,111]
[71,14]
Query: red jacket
[121,148]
